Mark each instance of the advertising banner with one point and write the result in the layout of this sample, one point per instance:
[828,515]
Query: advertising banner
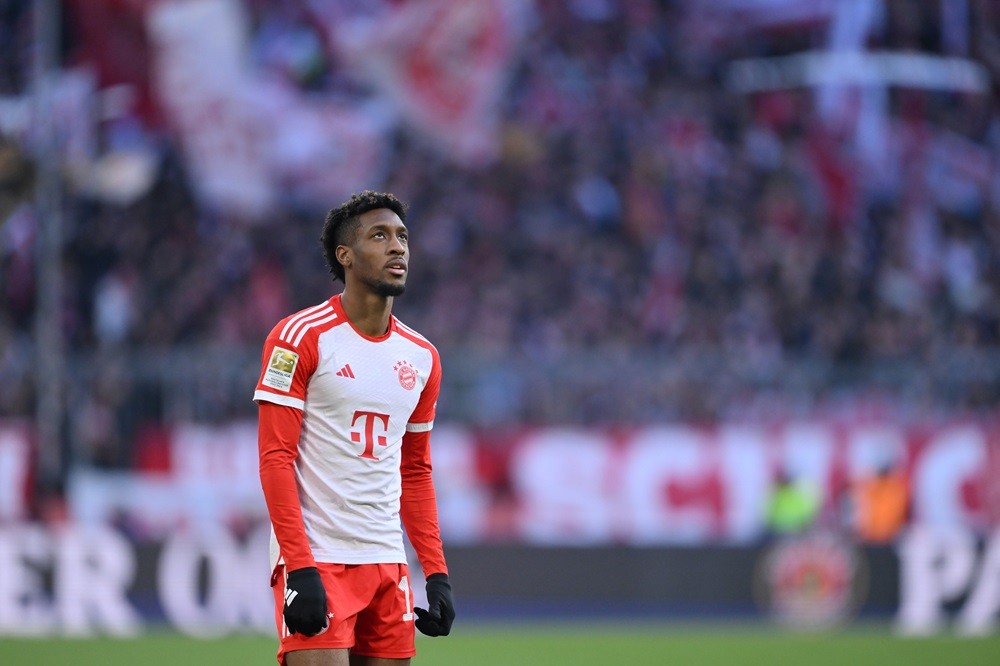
[659,519]
[77,581]
[650,486]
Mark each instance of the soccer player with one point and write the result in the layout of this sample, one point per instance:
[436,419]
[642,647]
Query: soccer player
[346,398]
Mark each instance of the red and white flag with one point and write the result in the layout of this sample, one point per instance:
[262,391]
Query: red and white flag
[442,64]
[252,140]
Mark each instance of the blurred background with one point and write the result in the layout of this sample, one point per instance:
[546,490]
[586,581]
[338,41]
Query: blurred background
[715,284]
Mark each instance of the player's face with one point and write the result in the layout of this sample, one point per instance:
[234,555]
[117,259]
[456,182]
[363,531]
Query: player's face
[380,255]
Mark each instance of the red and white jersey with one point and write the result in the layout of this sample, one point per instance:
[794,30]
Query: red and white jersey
[358,395]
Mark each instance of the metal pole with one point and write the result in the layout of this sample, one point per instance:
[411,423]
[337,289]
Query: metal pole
[49,346]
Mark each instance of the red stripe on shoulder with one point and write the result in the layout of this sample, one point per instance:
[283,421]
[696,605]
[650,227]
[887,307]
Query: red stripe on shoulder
[288,323]
[305,324]
[415,337]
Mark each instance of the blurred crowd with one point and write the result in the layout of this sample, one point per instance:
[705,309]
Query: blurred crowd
[650,244]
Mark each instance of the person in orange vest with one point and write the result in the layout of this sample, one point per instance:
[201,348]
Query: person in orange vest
[881,504]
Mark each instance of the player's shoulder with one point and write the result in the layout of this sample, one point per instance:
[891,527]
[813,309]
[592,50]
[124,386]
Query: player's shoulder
[414,336]
[296,327]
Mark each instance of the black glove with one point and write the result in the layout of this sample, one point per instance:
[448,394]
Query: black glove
[305,602]
[440,613]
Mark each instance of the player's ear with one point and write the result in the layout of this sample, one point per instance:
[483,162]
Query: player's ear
[343,254]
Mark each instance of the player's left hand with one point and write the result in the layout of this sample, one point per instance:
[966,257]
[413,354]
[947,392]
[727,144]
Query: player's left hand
[440,613]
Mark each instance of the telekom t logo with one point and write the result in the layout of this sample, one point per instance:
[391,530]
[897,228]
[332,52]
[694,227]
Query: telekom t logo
[369,419]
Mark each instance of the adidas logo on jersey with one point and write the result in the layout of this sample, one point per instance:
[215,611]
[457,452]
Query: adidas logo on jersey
[346,372]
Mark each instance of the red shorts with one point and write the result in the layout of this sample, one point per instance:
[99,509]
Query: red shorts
[371,606]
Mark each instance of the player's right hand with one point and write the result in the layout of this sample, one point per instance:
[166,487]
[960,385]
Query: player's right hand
[305,602]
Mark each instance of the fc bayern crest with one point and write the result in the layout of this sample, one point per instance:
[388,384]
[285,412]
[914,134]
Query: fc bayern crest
[811,582]
[407,374]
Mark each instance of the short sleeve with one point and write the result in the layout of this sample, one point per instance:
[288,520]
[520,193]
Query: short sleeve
[422,418]
[286,368]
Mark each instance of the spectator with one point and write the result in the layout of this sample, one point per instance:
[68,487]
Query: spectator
[648,246]
[793,507]
[880,504]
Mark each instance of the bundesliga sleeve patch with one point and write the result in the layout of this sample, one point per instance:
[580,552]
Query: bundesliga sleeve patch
[280,369]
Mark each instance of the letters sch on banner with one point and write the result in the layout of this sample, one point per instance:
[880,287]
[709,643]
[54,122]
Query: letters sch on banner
[548,486]
[574,486]
[690,485]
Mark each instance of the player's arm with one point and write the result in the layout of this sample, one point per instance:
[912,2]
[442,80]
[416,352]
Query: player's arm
[280,396]
[418,510]
[278,430]
[418,503]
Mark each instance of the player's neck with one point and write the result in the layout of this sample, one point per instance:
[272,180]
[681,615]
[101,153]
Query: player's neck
[368,312]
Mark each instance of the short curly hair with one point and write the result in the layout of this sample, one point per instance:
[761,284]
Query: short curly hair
[342,223]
